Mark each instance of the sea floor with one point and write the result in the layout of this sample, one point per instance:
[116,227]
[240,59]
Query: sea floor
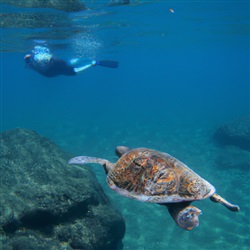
[149,226]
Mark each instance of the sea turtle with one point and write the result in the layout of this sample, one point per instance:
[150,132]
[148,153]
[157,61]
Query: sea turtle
[151,176]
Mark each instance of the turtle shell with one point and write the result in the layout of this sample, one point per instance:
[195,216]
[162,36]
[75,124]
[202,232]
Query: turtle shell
[152,176]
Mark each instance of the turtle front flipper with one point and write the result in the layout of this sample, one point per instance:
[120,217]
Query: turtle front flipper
[185,216]
[216,198]
[121,150]
[80,160]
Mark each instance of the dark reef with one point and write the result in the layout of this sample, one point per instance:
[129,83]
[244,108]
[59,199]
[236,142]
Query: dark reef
[119,2]
[235,133]
[28,17]
[65,5]
[48,204]
[34,20]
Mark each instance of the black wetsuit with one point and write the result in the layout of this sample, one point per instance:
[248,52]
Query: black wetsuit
[54,67]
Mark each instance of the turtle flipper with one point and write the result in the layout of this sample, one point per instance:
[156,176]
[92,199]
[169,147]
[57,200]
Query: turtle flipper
[80,160]
[121,150]
[185,216]
[216,198]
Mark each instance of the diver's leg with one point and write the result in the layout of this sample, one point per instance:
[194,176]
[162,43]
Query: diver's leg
[79,69]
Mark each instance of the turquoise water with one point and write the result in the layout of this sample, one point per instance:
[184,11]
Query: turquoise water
[180,76]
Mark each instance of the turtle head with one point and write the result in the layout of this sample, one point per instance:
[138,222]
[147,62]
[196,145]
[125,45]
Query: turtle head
[186,217]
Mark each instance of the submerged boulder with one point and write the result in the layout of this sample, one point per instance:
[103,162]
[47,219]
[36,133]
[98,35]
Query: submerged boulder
[119,2]
[235,133]
[48,204]
[34,20]
[65,5]
[29,18]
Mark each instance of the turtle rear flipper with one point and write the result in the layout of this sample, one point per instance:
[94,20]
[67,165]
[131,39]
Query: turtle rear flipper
[80,160]
[216,198]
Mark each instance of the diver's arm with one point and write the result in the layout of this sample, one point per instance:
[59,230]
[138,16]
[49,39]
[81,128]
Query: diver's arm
[79,69]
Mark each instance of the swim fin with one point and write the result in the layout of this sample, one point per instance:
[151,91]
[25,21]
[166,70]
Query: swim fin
[108,63]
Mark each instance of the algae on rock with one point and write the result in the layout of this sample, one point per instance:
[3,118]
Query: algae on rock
[45,203]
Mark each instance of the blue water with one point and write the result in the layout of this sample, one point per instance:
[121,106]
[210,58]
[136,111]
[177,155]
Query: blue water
[180,76]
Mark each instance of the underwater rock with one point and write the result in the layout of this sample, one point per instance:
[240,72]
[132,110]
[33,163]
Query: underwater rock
[235,133]
[34,20]
[232,158]
[47,204]
[119,2]
[65,5]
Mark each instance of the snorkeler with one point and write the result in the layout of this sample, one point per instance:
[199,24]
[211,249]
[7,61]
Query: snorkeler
[48,65]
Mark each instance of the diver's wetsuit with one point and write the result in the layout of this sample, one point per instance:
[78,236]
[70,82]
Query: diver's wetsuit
[47,64]
[55,67]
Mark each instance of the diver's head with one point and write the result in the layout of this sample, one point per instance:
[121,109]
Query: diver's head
[27,58]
